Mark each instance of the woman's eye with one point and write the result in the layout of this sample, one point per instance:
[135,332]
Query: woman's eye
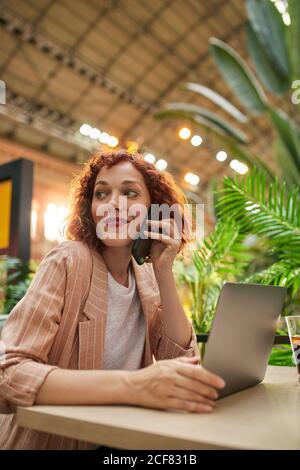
[131,193]
[99,194]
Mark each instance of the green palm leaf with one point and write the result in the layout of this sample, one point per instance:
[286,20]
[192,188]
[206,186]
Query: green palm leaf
[273,213]
[215,98]
[286,164]
[222,251]
[268,25]
[238,76]
[274,81]
[208,118]
[289,136]
[282,273]
[293,37]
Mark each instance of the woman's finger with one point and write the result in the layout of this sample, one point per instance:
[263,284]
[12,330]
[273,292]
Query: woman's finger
[201,375]
[195,387]
[194,407]
[168,226]
[162,237]
[188,358]
[183,393]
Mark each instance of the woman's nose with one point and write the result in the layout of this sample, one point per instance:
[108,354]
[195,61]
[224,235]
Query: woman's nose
[114,199]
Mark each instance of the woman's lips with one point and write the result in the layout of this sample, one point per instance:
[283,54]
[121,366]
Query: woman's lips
[115,222]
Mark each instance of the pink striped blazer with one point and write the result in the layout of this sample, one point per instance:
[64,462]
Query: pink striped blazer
[60,322]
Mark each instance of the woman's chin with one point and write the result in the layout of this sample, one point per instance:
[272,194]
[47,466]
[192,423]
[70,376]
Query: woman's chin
[116,243]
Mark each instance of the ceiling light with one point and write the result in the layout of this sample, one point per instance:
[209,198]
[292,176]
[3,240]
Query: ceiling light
[85,129]
[196,140]
[112,141]
[221,156]
[239,167]
[184,133]
[94,133]
[191,178]
[104,137]
[161,164]
[149,157]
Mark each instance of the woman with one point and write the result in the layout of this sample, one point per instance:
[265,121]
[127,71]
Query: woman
[93,321]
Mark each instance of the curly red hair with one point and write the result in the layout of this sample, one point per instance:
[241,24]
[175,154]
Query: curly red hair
[161,185]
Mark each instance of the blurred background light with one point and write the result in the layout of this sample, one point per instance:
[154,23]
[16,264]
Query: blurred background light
[112,141]
[196,140]
[94,133]
[221,156]
[53,222]
[149,157]
[239,167]
[184,133]
[191,178]
[104,137]
[161,164]
[85,129]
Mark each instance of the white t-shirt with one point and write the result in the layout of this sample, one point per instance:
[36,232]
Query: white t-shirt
[125,327]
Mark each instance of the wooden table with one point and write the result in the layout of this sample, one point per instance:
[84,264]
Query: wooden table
[266,416]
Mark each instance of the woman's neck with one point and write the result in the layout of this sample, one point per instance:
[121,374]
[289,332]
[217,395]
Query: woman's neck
[117,261]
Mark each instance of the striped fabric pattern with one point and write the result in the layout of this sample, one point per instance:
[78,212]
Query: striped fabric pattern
[60,322]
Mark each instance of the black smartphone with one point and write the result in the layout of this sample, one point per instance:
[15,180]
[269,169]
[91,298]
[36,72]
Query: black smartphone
[142,246]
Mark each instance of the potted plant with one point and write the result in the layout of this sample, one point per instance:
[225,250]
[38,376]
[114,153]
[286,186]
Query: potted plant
[246,207]
[15,278]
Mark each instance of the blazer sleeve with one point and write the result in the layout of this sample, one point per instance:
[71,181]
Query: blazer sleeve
[164,347]
[29,332]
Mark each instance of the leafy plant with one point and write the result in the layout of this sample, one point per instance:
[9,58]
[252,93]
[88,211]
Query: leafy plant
[247,205]
[282,356]
[272,213]
[15,278]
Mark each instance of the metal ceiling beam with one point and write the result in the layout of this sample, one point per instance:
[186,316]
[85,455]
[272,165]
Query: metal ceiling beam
[19,42]
[42,88]
[22,111]
[169,50]
[142,29]
[207,159]
[21,28]
[173,85]
[179,78]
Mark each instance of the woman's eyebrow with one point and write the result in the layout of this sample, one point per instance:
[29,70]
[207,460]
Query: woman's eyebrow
[101,182]
[105,183]
[130,182]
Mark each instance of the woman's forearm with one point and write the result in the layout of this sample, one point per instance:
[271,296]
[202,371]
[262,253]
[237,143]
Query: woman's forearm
[85,387]
[176,323]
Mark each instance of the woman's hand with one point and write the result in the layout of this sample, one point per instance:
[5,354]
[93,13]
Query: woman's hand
[165,246]
[175,384]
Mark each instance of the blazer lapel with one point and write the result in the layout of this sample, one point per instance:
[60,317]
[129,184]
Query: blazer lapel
[92,331]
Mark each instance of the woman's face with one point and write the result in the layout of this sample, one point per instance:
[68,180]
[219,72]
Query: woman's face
[120,202]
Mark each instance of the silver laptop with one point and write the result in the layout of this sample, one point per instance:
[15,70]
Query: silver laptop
[242,334]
